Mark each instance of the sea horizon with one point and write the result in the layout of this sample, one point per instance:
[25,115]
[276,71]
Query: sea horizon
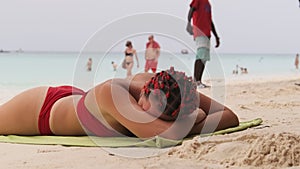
[33,68]
[177,52]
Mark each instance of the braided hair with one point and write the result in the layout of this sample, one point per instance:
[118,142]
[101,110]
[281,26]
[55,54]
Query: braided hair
[179,90]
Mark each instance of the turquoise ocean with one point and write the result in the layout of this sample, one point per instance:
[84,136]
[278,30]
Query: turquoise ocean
[30,69]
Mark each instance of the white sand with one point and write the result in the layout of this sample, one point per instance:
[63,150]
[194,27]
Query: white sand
[274,144]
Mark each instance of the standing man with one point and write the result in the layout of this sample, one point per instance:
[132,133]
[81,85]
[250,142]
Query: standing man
[151,54]
[200,12]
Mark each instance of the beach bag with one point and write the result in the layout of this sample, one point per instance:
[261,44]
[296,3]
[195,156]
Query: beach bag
[124,64]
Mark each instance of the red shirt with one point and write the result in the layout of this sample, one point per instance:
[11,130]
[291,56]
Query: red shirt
[155,45]
[202,17]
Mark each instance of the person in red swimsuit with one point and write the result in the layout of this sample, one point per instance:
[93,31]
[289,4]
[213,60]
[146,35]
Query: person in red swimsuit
[165,104]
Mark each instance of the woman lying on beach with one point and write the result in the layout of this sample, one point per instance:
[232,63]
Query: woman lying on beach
[165,104]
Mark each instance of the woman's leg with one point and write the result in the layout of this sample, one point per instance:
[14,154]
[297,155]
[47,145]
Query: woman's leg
[20,114]
[129,69]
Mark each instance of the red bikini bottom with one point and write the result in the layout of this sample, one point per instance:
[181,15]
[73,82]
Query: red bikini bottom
[53,94]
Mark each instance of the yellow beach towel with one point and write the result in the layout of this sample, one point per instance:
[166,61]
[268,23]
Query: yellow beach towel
[92,141]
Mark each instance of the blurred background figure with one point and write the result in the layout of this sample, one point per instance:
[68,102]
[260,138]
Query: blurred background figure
[130,52]
[200,25]
[236,71]
[114,65]
[297,61]
[89,65]
[152,54]
[244,70]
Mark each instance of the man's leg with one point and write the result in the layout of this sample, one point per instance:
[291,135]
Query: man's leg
[198,70]
[147,66]
[154,66]
[201,58]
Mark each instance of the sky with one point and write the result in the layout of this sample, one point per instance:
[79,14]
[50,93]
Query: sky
[256,26]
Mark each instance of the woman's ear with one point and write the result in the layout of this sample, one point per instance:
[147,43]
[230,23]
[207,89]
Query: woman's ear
[159,99]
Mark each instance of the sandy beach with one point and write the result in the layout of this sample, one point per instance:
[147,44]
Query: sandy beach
[274,144]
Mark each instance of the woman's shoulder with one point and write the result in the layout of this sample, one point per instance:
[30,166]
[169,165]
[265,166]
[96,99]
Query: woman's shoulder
[142,76]
[111,82]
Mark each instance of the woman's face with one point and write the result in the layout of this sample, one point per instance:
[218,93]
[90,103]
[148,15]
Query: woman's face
[152,106]
[144,102]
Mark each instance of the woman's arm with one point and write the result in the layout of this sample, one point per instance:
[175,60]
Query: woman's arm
[122,106]
[218,116]
[136,57]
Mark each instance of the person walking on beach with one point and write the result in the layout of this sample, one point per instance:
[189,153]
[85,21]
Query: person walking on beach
[200,13]
[165,104]
[130,52]
[152,54]
[89,65]
[297,61]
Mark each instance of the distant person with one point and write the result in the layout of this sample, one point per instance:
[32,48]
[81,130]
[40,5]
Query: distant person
[297,61]
[237,69]
[89,65]
[114,65]
[244,70]
[200,12]
[152,54]
[130,52]
[235,72]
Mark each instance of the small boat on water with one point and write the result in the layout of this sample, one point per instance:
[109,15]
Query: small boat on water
[4,51]
[184,51]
